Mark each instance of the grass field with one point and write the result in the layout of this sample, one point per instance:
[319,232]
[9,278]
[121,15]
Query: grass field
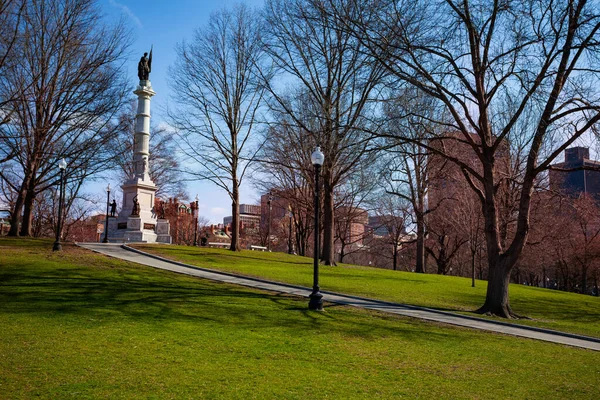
[551,309]
[80,325]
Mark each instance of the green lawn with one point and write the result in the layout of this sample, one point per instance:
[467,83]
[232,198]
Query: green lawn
[80,325]
[551,309]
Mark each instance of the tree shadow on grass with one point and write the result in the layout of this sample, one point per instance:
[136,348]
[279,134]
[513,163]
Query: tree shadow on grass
[145,298]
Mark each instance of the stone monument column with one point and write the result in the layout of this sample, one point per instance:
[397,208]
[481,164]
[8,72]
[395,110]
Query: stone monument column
[141,147]
[137,220]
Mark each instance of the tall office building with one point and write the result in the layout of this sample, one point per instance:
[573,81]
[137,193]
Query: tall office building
[249,215]
[577,174]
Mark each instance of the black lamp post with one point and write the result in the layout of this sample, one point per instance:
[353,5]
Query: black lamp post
[105,240]
[269,226]
[290,247]
[62,165]
[316,298]
[196,221]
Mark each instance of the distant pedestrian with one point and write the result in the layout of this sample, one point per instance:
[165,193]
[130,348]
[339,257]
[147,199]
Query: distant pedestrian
[113,208]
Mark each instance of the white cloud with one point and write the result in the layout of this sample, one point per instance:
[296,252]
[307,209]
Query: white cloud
[125,10]
[162,125]
[217,211]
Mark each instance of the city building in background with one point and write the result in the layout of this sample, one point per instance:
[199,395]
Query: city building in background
[249,214]
[377,226]
[351,225]
[577,174]
[180,217]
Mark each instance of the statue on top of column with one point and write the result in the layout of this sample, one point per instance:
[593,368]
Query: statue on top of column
[145,66]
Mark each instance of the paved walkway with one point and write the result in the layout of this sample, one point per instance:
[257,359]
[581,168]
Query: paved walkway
[134,255]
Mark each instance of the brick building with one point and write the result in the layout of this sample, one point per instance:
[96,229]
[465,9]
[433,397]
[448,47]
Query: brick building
[181,219]
[87,230]
[447,182]
[351,224]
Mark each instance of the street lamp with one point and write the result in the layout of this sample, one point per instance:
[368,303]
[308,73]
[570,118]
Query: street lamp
[105,240]
[62,165]
[291,215]
[316,298]
[196,221]
[269,226]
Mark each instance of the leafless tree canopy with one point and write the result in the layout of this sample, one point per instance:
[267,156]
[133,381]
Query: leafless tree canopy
[69,79]
[333,84]
[285,170]
[219,92]
[10,17]
[490,62]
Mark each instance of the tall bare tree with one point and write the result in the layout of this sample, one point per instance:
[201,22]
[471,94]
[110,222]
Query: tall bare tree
[335,82]
[393,215]
[406,169]
[70,80]
[284,170]
[354,200]
[478,56]
[219,93]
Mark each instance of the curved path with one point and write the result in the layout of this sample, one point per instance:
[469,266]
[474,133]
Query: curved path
[129,254]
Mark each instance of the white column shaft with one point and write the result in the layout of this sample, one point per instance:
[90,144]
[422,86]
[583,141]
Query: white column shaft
[141,149]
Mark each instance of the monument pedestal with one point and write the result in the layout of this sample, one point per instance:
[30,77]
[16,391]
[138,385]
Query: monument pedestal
[136,232]
[163,231]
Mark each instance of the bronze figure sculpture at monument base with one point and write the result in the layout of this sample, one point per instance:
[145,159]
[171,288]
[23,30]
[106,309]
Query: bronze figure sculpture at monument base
[135,211]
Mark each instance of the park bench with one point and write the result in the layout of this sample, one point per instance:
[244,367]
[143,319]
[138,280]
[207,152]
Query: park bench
[216,244]
[261,248]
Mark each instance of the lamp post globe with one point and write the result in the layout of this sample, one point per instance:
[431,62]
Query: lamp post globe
[105,240]
[317,157]
[316,298]
[62,165]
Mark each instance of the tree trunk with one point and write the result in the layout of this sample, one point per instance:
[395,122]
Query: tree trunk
[420,263]
[28,204]
[235,220]
[300,242]
[496,299]
[501,263]
[442,265]
[328,252]
[395,262]
[544,284]
[473,267]
[301,236]
[15,218]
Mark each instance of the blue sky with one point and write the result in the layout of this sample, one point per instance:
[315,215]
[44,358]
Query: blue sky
[163,24]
